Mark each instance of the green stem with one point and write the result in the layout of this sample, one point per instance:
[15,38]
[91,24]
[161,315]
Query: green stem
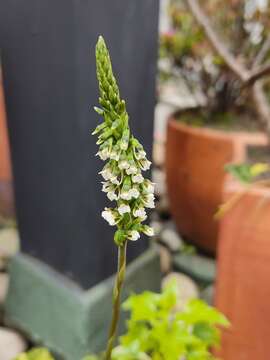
[120,276]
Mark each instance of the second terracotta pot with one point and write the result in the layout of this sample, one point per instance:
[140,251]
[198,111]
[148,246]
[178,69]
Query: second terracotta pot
[195,160]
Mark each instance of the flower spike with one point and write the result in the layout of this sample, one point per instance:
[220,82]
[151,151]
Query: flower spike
[124,155]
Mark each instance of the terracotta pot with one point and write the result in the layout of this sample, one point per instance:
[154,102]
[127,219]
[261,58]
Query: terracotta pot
[195,159]
[243,287]
[6,188]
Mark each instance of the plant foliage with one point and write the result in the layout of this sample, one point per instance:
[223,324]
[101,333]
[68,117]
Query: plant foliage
[155,331]
[35,354]
[247,173]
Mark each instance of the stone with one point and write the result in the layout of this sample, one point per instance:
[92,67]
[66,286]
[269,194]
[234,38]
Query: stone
[171,239]
[186,286]
[200,268]
[11,344]
[4,282]
[9,243]
[57,313]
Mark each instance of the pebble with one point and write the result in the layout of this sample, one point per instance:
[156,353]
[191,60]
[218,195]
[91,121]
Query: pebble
[9,244]
[187,288]
[11,344]
[171,239]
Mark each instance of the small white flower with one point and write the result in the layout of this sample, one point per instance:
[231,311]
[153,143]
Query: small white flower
[106,174]
[107,186]
[123,145]
[150,201]
[141,154]
[150,187]
[108,215]
[137,178]
[115,180]
[104,154]
[132,170]
[134,193]
[123,209]
[112,195]
[147,230]
[133,235]
[123,164]
[145,164]
[125,195]
[140,212]
[115,155]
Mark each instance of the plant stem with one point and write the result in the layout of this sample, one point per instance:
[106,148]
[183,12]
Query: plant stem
[120,276]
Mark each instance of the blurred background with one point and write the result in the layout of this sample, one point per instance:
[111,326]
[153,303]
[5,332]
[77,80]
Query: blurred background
[196,78]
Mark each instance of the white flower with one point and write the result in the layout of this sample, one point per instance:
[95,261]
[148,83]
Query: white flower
[123,209]
[112,195]
[137,178]
[123,145]
[115,180]
[133,235]
[125,195]
[150,201]
[140,212]
[104,154]
[141,154]
[134,193]
[147,230]
[106,173]
[145,164]
[108,215]
[115,155]
[132,170]
[107,186]
[150,187]
[123,164]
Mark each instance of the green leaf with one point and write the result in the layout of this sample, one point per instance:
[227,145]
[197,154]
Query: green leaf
[35,354]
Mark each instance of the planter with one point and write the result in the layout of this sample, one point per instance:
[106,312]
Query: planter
[6,190]
[195,159]
[243,288]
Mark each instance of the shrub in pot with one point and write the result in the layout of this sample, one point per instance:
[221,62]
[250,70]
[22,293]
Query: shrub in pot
[231,72]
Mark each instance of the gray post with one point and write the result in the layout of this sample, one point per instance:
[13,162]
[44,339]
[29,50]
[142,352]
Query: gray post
[47,50]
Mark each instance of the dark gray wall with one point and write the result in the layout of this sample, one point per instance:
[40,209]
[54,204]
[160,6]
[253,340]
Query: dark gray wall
[47,50]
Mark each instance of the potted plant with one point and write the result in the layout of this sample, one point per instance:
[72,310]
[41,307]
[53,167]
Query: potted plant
[242,288]
[155,329]
[229,71]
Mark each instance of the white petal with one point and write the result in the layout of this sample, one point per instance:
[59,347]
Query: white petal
[123,209]
[133,235]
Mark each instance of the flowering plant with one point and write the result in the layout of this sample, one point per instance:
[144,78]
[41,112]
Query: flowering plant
[123,183]
[125,156]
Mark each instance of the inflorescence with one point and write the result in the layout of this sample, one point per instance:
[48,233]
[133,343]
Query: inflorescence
[125,158]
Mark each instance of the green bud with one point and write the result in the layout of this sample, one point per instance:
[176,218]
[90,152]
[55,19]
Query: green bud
[120,237]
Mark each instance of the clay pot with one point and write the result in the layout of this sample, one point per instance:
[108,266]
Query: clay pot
[243,287]
[195,159]
[6,188]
